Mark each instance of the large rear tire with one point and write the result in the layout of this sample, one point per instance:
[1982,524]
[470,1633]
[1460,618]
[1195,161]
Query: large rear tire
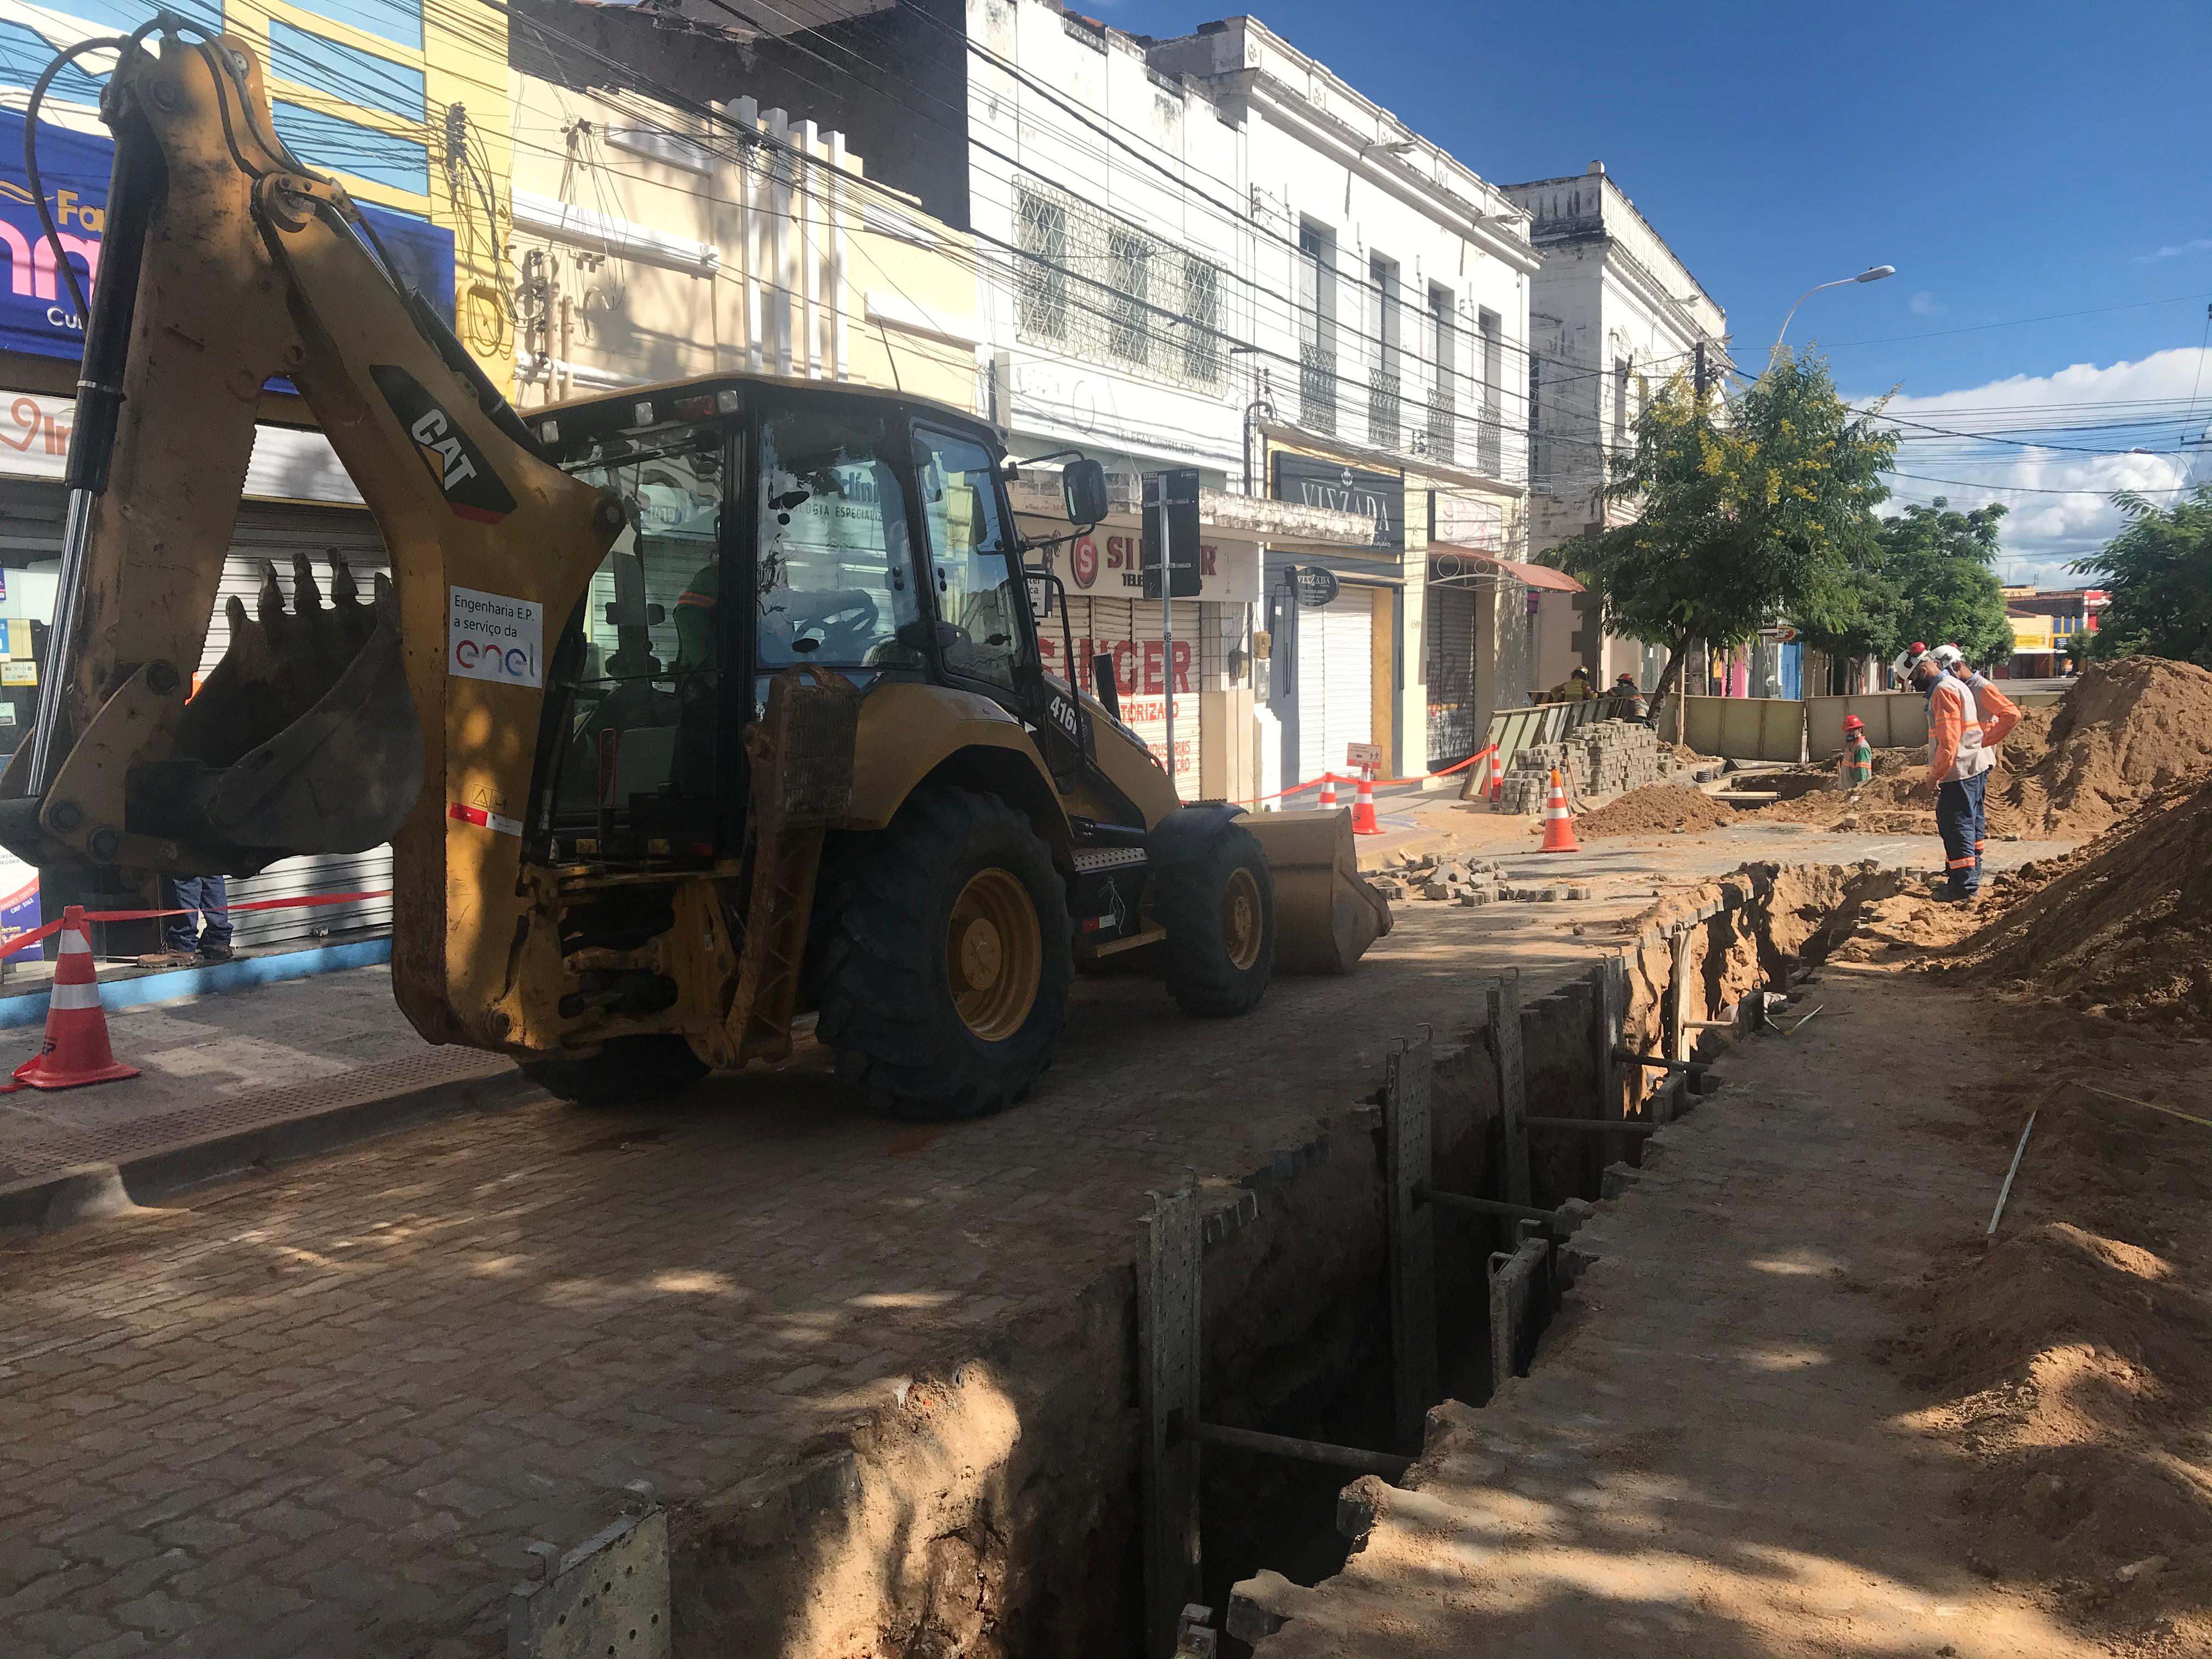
[1219,908]
[941,958]
[627,1068]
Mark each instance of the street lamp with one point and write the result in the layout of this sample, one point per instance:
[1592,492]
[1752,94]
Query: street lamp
[1871,274]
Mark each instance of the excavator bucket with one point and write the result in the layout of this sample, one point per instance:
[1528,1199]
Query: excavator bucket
[304,737]
[1326,914]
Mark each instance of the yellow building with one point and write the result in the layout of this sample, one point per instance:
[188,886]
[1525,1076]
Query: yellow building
[650,243]
[407,109]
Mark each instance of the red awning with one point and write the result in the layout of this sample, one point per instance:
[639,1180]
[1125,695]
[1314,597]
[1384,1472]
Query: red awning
[1535,575]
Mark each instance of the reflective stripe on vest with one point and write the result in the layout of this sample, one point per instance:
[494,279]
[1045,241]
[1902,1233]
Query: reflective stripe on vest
[1971,757]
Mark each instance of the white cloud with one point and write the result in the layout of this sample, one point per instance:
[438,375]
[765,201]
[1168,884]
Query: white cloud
[2195,244]
[2057,501]
[1923,304]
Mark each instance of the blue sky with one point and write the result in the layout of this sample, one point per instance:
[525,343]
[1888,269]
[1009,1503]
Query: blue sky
[2012,161]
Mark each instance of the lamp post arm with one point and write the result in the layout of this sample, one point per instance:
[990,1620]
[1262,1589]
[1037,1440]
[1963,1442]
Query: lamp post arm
[1840,282]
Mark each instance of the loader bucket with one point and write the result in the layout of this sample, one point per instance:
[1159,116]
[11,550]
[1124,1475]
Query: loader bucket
[1326,915]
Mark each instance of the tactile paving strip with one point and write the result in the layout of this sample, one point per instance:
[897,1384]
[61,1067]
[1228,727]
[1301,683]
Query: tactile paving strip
[35,1151]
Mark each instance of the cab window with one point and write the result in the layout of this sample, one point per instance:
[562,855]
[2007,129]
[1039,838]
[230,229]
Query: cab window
[833,578]
[970,557]
[642,748]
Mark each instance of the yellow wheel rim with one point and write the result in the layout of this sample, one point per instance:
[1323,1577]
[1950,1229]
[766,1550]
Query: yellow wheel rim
[1242,926]
[993,955]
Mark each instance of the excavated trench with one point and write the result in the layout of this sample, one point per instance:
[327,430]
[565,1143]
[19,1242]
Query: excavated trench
[994,1512]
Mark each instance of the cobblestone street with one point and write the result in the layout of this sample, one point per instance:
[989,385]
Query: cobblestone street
[322,1412]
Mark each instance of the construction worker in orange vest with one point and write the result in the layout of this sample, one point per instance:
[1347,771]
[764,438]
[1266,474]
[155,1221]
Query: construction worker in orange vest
[1855,769]
[1958,771]
[2000,713]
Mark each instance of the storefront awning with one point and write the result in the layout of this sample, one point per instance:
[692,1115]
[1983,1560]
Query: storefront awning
[1535,575]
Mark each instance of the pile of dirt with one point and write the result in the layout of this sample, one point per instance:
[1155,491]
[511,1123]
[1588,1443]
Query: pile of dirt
[1655,809]
[2123,929]
[2073,1360]
[2127,731]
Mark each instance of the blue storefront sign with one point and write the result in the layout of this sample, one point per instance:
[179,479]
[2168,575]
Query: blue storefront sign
[36,314]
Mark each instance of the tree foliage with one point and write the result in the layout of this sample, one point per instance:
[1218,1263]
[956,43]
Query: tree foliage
[1751,510]
[2158,571]
[1936,563]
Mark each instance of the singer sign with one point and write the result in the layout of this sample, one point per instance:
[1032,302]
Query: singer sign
[1110,565]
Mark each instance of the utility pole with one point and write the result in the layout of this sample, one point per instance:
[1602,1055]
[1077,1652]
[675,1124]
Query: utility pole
[1700,374]
[1167,621]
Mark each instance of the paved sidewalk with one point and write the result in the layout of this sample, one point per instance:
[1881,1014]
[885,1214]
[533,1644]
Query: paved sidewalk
[218,1067]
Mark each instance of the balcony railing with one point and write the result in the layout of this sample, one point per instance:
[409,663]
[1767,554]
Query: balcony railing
[1382,410]
[1316,388]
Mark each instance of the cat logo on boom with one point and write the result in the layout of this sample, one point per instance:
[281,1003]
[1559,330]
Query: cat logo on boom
[472,490]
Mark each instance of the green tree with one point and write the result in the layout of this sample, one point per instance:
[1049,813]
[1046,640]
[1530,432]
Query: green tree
[1749,511]
[1938,561]
[2158,571]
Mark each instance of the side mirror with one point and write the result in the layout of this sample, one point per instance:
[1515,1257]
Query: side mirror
[1083,483]
[1041,592]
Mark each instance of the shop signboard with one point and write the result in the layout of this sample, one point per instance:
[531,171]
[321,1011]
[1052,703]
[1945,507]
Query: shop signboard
[37,314]
[1315,586]
[1111,566]
[1379,496]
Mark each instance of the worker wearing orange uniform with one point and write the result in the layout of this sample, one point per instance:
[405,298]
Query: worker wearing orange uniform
[1957,771]
[2000,713]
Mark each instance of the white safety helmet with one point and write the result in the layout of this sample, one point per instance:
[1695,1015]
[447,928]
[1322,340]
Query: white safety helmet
[1948,656]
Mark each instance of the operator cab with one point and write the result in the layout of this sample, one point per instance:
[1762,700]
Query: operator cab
[871,534]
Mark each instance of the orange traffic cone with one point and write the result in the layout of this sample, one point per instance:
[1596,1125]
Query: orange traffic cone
[1558,822]
[76,1050]
[1363,808]
[1328,791]
[1497,779]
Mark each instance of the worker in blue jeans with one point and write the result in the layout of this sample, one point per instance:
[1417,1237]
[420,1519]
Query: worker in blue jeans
[202,934]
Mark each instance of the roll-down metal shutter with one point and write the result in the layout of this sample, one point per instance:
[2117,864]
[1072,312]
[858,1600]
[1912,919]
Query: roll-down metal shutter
[1336,676]
[1448,625]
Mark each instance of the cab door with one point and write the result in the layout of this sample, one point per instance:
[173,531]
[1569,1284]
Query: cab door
[987,638]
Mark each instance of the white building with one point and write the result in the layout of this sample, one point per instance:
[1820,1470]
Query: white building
[1389,302]
[1206,252]
[1615,314]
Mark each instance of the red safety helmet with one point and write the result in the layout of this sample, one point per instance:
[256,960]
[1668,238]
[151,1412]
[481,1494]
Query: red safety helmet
[1853,723]
[1915,649]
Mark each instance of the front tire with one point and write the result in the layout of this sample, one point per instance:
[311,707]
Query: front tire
[1218,907]
[626,1068]
[942,958]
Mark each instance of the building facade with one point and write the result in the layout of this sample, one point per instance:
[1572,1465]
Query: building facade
[1615,315]
[1387,321]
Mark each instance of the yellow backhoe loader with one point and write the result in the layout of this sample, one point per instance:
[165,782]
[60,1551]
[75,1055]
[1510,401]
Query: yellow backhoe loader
[687,710]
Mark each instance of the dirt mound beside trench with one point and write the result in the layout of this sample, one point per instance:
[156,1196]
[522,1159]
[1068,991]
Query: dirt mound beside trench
[2075,1361]
[2123,931]
[1656,809]
[2127,731]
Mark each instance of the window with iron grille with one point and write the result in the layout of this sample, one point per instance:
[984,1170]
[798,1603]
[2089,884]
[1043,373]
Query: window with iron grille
[1101,288]
[1041,232]
[1129,280]
[1201,308]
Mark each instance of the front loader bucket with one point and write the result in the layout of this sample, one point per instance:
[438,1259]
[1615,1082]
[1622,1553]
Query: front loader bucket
[1326,914]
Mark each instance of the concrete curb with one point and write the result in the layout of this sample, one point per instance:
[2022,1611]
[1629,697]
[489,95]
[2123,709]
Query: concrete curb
[29,1007]
[60,1198]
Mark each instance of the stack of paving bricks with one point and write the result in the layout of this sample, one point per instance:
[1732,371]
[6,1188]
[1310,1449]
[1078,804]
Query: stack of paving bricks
[1456,879]
[1606,757]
